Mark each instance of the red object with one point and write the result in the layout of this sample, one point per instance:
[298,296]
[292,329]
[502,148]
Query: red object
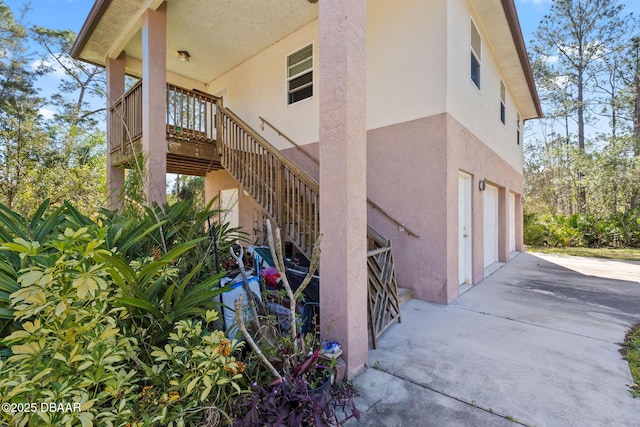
[271,277]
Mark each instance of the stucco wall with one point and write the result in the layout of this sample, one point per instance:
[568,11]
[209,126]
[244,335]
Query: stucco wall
[469,154]
[405,73]
[406,176]
[406,60]
[426,122]
[478,110]
[412,173]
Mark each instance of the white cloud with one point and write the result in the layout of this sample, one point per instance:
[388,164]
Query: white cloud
[562,81]
[535,1]
[58,71]
[46,113]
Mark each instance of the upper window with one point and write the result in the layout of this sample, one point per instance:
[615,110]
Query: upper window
[300,75]
[503,97]
[476,55]
[518,124]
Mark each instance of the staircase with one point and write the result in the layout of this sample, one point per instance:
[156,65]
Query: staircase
[290,197]
[203,136]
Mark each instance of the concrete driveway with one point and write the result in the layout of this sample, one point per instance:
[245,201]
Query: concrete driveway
[534,344]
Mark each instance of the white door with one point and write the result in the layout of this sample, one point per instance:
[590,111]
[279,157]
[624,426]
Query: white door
[229,207]
[464,228]
[512,222]
[490,225]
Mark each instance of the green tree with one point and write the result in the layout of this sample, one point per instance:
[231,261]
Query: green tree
[58,158]
[190,188]
[77,154]
[22,140]
[570,42]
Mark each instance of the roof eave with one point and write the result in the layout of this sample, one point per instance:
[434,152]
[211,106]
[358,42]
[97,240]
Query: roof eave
[95,15]
[516,32]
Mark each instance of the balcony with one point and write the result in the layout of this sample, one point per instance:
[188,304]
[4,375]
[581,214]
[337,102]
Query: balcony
[191,130]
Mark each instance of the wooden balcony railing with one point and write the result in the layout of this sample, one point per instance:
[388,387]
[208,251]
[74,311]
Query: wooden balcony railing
[125,125]
[191,115]
[191,128]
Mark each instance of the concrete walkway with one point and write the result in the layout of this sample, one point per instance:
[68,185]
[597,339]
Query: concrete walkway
[534,344]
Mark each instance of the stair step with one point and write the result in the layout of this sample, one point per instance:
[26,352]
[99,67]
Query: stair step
[404,294]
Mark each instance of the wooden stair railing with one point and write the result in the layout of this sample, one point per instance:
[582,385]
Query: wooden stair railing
[287,193]
[314,159]
[291,198]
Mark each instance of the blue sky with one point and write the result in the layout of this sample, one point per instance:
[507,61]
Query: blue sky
[531,12]
[54,14]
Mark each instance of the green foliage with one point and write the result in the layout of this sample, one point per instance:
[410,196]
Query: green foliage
[156,296]
[583,156]
[534,231]
[196,366]
[614,231]
[548,230]
[69,347]
[631,353]
[190,188]
[91,320]
[55,156]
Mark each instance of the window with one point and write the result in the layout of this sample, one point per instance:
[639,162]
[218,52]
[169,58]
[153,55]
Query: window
[503,96]
[476,55]
[518,128]
[300,75]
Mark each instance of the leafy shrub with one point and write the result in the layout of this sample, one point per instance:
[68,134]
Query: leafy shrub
[192,373]
[560,233]
[534,232]
[621,230]
[298,389]
[70,348]
[547,230]
[89,321]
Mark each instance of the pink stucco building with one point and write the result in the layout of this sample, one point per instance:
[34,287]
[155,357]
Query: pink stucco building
[412,112]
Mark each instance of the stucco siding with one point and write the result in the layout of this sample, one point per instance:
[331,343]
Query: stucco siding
[412,173]
[479,109]
[406,59]
[467,153]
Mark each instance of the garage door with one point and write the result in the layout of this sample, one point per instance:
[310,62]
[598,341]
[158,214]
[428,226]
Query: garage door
[490,225]
[512,222]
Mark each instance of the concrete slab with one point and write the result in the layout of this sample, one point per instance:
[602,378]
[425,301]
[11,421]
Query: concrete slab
[390,393]
[535,344]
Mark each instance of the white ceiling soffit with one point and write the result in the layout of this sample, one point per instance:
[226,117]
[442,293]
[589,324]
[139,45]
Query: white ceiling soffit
[218,34]
[494,24]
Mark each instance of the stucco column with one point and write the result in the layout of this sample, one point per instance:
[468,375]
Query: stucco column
[477,242]
[343,186]
[115,89]
[154,111]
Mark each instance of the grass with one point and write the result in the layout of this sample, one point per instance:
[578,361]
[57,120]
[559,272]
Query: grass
[620,254]
[631,352]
